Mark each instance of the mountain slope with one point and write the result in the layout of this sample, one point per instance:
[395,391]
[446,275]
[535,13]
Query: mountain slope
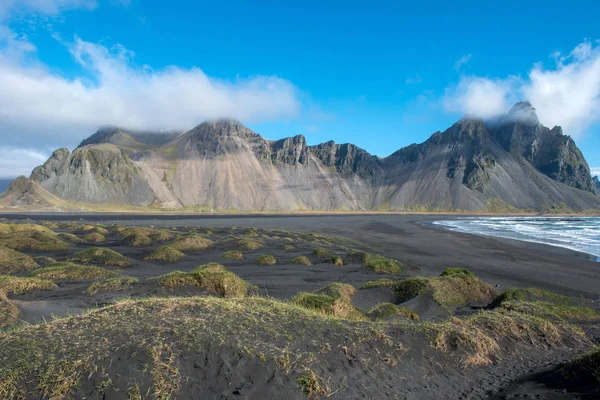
[510,162]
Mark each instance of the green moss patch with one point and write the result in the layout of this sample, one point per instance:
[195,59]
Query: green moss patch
[266,259]
[166,254]
[233,255]
[11,261]
[72,272]
[20,285]
[389,311]
[376,263]
[101,256]
[117,284]
[301,260]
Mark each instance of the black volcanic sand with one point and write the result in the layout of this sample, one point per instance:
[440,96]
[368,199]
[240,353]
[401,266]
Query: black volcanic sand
[423,249]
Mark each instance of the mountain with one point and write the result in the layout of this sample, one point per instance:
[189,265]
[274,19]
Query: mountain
[596,183]
[502,164]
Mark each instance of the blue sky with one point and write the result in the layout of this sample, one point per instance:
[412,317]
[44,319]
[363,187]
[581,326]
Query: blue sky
[378,74]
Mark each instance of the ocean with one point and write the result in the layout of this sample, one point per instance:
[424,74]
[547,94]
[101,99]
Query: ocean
[575,233]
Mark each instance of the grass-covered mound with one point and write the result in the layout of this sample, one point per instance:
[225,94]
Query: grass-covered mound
[101,256]
[336,261]
[584,371]
[116,284]
[233,255]
[152,233]
[94,237]
[11,261]
[213,277]
[165,254]
[300,260]
[266,259]
[376,263]
[334,299]
[30,237]
[170,347]
[448,291]
[531,294]
[249,244]
[91,229]
[71,272]
[320,252]
[137,239]
[20,285]
[69,237]
[389,311]
[191,243]
[42,261]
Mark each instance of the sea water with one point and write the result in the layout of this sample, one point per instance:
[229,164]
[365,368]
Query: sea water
[575,233]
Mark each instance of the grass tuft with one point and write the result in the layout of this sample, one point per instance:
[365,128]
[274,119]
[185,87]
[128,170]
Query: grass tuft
[213,277]
[266,259]
[301,260]
[165,254]
[337,261]
[117,284]
[233,255]
[191,243]
[72,272]
[20,285]
[320,252]
[377,263]
[250,244]
[94,237]
[389,311]
[11,261]
[137,239]
[530,294]
[101,256]
[457,271]
[378,283]
[30,237]
[334,299]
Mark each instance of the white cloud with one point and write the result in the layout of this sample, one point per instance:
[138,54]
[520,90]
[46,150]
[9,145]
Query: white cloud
[15,162]
[567,94]
[479,97]
[50,7]
[119,93]
[458,64]
[595,171]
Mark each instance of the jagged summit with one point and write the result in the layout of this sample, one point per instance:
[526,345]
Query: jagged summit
[512,161]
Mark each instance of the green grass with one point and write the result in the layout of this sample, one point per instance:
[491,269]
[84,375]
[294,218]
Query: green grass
[553,311]
[159,235]
[300,260]
[71,272]
[191,243]
[43,261]
[457,271]
[166,254]
[389,311]
[213,277]
[378,283]
[101,256]
[266,259]
[531,294]
[116,284]
[249,244]
[137,239]
[336,261]
[94,237]
[30,237]
[310,383]
[233,255]
[585,369]
[8,317]
[334,299]
[448,291]
[319,252]
[377,263]
[20,285]
[289,247]
[69,237]
[11,261]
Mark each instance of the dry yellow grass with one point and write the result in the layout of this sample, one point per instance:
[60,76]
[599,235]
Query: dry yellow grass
[11,261]
[20,285]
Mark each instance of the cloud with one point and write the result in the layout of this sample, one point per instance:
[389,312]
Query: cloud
[458,64]
[49,7]
[15,162]
[595,171]
[568,94]
[115,91]
[479,97]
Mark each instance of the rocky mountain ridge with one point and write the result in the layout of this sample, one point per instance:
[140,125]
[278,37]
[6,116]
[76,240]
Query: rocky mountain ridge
[512,162]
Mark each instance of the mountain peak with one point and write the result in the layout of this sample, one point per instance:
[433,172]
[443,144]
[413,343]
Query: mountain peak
[523,112]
